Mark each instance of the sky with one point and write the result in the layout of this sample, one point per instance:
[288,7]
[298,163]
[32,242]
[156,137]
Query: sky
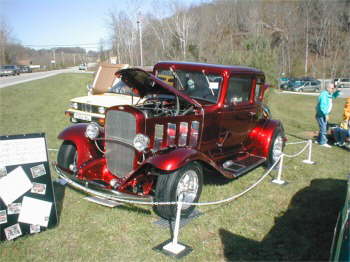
[50,23]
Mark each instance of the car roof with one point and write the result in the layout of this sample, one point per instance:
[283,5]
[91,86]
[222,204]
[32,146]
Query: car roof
[209,67]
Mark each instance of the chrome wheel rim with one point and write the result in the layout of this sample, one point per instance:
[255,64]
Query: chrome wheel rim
[188,187]
[277,148]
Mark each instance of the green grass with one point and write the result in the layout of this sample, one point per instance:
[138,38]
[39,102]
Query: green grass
[271,222]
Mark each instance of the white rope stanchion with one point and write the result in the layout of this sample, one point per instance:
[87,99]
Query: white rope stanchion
[278,180]
[308,160]
[174,247]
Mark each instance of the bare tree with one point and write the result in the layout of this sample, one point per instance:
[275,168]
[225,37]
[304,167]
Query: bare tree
[4,41]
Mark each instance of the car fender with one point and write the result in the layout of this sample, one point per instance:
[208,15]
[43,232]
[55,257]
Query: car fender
[175,159]
[260,137]
[85,147]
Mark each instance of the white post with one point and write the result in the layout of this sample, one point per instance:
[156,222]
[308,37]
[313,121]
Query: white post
[173,246]
[278,180]
[308,160]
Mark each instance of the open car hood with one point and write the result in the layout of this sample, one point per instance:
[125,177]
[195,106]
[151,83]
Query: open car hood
[148,84]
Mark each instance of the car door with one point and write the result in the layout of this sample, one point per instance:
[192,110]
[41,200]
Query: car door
[239,115]
[315,86]
[307,86]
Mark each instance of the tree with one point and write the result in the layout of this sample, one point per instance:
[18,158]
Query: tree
[4,41]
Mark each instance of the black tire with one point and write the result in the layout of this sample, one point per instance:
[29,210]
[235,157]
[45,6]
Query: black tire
[67,155]
[276,144]
[167,186]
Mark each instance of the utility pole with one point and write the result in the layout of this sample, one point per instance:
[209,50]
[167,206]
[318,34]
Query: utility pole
[307,42]
[62,58]
[140,36]
[53,57]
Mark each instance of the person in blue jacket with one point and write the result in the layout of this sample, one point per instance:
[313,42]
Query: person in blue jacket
[323,109]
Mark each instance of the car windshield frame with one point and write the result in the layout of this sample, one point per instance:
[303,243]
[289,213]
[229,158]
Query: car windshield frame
[198,85]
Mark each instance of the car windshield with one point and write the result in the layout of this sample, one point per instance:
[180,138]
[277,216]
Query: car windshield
[9,67]
[298,83]
[121,88]
[195,84]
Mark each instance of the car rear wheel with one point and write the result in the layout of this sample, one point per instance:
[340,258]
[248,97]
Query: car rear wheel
[67,156]
[276,147]
[187,181]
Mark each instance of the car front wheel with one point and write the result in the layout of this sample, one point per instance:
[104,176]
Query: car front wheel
[276,147]
[186,181]
[67,156]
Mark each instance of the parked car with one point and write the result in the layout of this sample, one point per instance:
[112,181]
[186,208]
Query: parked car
[311,86]
[342,82]
[24,69]
[8,70]
[2,71]
[82,67]
[291,84]
[157,149]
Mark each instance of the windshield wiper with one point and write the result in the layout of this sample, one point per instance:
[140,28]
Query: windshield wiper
[206,77]
[177,77]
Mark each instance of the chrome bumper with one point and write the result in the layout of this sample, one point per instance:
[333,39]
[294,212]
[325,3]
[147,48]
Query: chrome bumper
[101,192]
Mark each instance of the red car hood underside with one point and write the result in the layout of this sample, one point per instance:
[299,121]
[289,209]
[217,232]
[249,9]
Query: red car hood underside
[147,84]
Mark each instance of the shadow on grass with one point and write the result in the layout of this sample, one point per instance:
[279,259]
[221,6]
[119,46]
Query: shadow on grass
[303,232]
[59,197]
[212,177]
[136,209]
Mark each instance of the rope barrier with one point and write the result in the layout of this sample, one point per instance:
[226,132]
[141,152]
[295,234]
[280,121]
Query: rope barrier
[199,203]
[295,143]
[299,153]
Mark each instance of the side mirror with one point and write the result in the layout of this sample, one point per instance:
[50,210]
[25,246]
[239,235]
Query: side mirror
[265,87]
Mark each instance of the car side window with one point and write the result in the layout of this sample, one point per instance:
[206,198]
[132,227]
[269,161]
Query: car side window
[239,90]
[257,92]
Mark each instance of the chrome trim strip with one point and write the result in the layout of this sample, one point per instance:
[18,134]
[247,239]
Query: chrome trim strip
[115,195]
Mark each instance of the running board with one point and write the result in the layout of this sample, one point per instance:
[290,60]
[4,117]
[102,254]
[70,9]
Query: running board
[242,166]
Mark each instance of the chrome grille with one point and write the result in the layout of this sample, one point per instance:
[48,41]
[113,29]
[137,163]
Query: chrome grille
[87,108]
[120,156]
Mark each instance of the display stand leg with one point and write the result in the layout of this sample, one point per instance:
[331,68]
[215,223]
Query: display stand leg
[278,180]
[308,160]
[174,247]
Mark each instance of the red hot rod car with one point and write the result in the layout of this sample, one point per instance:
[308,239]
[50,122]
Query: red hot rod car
[200,116]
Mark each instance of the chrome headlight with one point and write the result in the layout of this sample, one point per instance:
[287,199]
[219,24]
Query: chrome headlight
[74,105]
[101,110]
[92,131]
[141,142]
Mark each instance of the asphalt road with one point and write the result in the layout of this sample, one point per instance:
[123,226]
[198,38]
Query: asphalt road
[22,78]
